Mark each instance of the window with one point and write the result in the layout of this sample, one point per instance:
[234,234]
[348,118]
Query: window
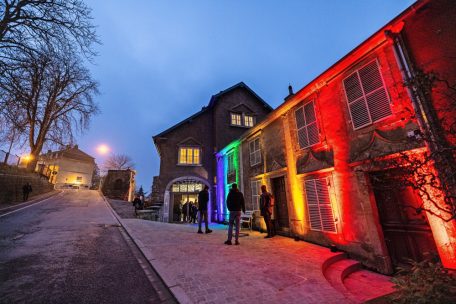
[242,120]
[306,124]
[255,152]
[256,192]
[367,98]
[236,119]
[189,156]
[231,163]
[248,121]
[321,216]
[231,178]
[79,178]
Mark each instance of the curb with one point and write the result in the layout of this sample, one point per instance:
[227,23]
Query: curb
[38,198]
[24,205]
[176,291]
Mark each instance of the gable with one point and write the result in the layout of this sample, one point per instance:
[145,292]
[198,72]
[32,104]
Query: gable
[189,141]
[242,108]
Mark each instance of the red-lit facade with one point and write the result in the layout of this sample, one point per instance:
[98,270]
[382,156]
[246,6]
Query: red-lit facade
[317,146]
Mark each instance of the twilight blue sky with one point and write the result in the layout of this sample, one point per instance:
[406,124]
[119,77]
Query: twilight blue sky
[161,60]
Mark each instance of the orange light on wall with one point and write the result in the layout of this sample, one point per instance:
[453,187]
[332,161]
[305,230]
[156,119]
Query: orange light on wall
[297,194]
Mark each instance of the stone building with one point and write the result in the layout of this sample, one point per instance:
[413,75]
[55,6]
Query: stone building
[315,151]
[67,168]
[186,150]
[119,184]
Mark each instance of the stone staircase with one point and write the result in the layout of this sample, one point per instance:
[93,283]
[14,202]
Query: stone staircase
[355,283]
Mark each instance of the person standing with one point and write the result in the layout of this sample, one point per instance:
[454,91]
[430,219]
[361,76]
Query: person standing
[235,203]
[266,208]
[26,189]
[203,199]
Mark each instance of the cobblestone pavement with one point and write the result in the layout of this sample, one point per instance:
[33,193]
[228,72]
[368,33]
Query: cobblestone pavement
[199,268]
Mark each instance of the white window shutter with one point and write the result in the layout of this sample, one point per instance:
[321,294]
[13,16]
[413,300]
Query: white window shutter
[367,98]
[321,216]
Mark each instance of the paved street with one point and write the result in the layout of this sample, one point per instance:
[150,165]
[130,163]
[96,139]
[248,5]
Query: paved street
[70,249]
[201,269]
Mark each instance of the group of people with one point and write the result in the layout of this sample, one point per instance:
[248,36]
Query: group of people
[189,212]
[236,204]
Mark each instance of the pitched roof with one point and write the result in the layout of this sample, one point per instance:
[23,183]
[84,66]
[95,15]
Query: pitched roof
[212,103]
[72,152]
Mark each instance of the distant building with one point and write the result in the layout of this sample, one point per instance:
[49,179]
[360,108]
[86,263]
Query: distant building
[119,184]
[186,150]
[68,168]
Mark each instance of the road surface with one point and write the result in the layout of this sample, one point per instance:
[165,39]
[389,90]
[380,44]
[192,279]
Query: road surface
[70,249]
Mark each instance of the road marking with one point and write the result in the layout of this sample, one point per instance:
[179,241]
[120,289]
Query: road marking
[5,214]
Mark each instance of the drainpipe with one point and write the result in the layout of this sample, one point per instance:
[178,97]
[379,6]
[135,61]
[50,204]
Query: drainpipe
[418,102]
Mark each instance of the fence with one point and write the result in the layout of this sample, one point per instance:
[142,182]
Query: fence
[9,159]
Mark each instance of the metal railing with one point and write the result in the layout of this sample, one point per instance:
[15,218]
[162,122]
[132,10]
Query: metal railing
[9,158]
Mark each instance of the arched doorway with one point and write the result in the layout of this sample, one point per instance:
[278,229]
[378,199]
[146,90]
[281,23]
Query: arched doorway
[180,195]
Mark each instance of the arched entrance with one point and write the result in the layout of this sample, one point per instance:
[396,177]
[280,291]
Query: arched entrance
[182,193]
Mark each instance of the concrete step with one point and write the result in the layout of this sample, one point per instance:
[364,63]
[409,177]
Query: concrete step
[337,271]
[366,285]
[355,283]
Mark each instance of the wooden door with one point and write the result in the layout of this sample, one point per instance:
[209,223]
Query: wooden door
[280,199]
[406,231]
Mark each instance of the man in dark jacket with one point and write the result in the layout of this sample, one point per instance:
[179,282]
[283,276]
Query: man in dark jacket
[266,207]
[26,189]
[235,203]
[203,198]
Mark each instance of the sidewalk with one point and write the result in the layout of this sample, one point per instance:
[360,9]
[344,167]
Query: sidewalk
[201,269]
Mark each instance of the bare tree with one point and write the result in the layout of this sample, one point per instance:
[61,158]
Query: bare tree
[432,172]
[118,162]
[28,25]
[49,96]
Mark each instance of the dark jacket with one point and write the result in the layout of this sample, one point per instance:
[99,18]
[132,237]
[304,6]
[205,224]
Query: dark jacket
[203,198]
[235,201]
[266,203]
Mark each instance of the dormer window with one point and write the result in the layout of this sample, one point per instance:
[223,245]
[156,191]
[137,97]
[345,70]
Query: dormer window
[236,119]
[189,156]
[242,120]
[248,120]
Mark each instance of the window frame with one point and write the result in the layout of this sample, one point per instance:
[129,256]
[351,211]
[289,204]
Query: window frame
[250,118]
[232,115]
[193,148]
[256,153]
[306,125]
[255,197]
[364,96]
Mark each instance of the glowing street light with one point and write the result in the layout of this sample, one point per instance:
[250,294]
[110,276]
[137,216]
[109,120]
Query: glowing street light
[103,149]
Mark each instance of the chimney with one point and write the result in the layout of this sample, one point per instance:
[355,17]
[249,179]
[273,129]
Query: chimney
[76,147]
[290,92]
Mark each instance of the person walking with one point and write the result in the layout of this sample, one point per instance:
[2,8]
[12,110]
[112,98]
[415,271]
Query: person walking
[203,199]
[235,203]
[266,208]
[26,189]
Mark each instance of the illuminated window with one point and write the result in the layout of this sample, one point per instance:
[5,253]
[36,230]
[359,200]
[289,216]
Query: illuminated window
[255,152]
[256,192]
[189,156]
[248,121]
[367,98]
[236,119]
[306,124]
[321,216]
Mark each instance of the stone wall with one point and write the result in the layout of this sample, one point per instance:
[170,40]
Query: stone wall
[13,179]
